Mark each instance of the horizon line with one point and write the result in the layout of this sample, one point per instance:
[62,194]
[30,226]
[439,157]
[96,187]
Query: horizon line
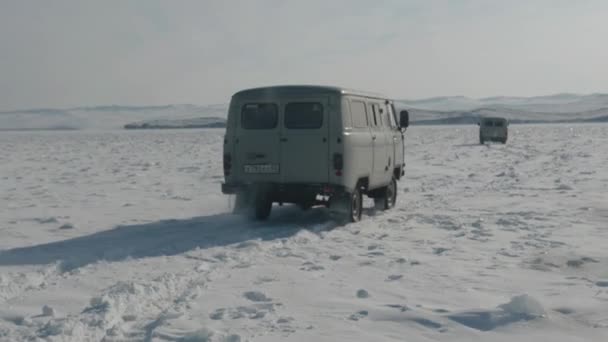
[92,107]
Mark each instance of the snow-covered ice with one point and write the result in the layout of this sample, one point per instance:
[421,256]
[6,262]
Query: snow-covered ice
[125,236]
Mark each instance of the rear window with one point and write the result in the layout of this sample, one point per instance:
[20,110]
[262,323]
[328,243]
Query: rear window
[304,115]
[493,123]
[259,116]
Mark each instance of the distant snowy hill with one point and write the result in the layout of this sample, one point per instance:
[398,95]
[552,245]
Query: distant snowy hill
[211,122]
[104,117]
[437,110]
[553,108]
[429,117]
[559,103]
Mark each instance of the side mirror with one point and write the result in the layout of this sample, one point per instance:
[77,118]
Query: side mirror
[404,119]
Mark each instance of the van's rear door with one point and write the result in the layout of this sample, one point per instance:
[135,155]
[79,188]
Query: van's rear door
[256,142]
[305,140]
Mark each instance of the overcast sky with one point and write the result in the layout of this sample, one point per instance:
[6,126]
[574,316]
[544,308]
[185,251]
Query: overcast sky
[72,53]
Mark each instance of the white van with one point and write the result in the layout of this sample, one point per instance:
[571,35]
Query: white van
[312,145]
[493,129]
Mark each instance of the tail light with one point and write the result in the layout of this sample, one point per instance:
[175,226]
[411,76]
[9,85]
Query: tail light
[338,163]
[227,164]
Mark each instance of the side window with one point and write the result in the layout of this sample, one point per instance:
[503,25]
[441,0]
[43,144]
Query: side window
[391,116]
[383,117]
[358,114]
[498,124]
[303,115]
[259,116]
[374,115]
[394,115]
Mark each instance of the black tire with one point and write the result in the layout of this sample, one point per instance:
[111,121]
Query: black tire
[388,196]
[355,205]
[263,206]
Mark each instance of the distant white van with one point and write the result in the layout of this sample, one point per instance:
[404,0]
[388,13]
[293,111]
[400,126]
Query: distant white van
[493,129]
[312,145]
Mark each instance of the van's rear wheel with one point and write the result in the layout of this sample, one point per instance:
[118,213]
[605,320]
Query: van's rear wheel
[356,205]
[254,204]
[241,203]
[388,196]
[262,206]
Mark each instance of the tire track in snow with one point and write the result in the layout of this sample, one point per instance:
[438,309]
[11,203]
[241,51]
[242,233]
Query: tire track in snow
[133,310]
[128,310]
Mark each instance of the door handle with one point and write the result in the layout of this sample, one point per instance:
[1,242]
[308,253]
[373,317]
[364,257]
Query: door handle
[373,137]
[324,139]
[283,139]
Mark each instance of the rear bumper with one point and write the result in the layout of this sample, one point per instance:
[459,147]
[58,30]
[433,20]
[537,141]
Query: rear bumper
[493,138]
[285,192]
[232,188]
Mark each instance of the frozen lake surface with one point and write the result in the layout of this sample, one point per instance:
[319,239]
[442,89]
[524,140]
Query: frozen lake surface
[125,236]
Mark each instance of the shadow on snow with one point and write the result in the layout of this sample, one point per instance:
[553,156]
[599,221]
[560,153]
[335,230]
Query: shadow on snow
[166,238]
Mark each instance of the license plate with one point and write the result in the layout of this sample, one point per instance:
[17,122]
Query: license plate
[261,168]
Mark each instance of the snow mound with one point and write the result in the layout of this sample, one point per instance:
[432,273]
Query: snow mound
[48,311]
[256,296]
[519,308]
[202,335]
[523,305]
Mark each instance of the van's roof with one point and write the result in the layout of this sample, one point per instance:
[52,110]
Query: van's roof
[287,90]
[493,118]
